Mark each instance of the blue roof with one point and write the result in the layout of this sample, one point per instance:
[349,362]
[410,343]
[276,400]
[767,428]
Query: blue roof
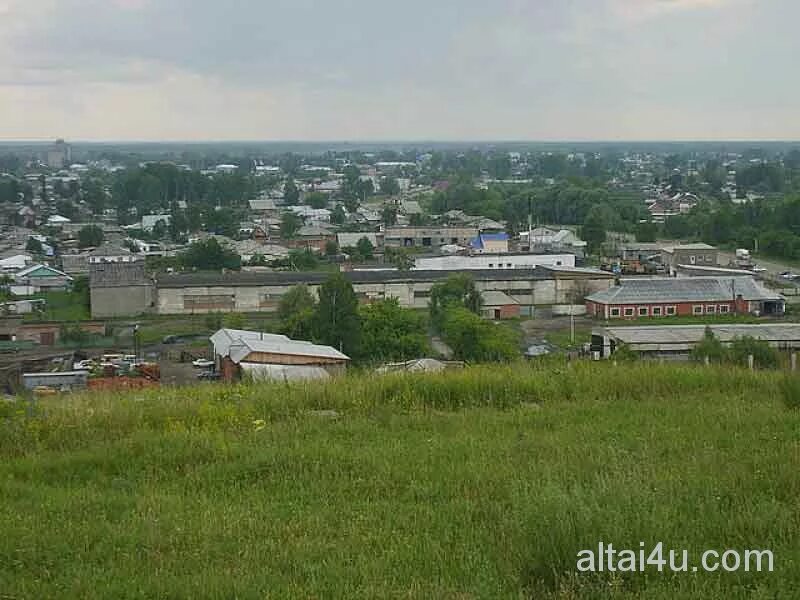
[488,237]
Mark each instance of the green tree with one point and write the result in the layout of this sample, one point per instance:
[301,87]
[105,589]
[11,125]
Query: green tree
[94,195]
[296,313]
[365,248]
[764,355]
[91,235]
[709,348]
[646,231]
[389,186]
[338,216]
[399,258]
[389,216]
[290,225]
[331,248]
[457,291]
[390,332]
[593,231]
[336,319]
[291,195]
[477,340]
[316,200]
[210,255]
[34,245]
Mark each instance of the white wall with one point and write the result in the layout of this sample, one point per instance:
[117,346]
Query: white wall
[493,261]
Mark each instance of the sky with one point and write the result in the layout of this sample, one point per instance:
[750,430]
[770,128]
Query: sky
[399,70]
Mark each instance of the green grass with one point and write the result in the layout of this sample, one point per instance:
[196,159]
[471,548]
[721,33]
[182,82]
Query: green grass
[61,306]
[483,483]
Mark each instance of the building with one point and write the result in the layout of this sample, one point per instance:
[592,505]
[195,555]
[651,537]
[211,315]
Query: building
[688,254]
[676,341]
[39,278]
[350,240]
[120,289]
[490,243]
[270,356]
[428,237]
[15,263]
[694,296]
[493,261]
[149,222]
[59,155]
[63,381]
[499,306]
[199,293]
[544,239]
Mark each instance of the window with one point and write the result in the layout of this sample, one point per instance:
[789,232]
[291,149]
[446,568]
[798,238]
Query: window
[697,309]
[656,311]
[491,265]
[614,312]
[724,309]
[519,292]
[508,265]
[208,302]
[709,258]
[422,294]
[643,312]
[711,309]
[670,311]
[629,312]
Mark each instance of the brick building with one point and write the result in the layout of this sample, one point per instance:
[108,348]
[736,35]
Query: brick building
[695,296]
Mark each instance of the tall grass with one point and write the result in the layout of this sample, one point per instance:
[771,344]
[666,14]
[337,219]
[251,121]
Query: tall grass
[482,483]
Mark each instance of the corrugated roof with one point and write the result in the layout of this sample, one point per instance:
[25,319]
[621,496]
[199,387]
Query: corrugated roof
[691,334]
[497,298]
[693,289]
[239,344]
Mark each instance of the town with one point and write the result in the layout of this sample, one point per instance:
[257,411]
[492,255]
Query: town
[122,269]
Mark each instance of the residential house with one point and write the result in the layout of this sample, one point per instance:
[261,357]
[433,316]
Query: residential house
[428,237]
[39,278]
[498,305]
[688,254]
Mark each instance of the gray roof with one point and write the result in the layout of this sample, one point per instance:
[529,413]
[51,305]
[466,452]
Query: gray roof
[692,289]
[118,274]
[202,279]
[262,204]
[351,239]
[683,335]
[239,344]
[109,249]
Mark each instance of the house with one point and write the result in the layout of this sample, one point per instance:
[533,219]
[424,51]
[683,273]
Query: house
[490,243]
[150,221]
[695,296]
[688,254]
[39,278]
[271,356]
[120,289]
[112,253]
[675,342]
[311,237]
[348,240]
[498,305]
[264,206]
[492,261]
[58,221]
[428,237]
[544,239]
[15,263]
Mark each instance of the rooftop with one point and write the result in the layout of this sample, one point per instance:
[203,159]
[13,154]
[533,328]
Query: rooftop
[690,334]
[692,289]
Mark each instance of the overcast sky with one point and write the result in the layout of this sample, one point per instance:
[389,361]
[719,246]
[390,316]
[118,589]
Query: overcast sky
[411,69]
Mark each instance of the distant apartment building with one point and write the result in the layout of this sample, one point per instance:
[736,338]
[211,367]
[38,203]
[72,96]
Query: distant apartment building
[59,155]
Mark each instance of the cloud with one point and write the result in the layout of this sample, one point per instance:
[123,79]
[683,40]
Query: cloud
[365,69]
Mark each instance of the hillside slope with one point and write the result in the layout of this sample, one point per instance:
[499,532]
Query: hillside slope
[478,484]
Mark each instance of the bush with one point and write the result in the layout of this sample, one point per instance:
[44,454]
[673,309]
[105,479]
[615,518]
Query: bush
[764,355]
[789,388]
[476,340]
[709,347]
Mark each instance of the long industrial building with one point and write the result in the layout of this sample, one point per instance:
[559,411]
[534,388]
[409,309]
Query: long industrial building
[199,293]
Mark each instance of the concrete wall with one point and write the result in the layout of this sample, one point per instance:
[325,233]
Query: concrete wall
[517,261]
[410,294]
[122,301]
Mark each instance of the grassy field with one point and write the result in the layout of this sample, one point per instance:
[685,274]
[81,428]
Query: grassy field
[484,483]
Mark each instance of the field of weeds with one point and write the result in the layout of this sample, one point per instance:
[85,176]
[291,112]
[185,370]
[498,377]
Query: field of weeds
[482,483]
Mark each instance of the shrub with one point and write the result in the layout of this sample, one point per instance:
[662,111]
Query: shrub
[789,388]
[764,355]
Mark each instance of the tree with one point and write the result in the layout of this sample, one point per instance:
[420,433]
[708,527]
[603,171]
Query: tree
[336,319]
[389,186]
[709,348]
[338,217]
[365,248]
[389,216]
[94,195]
[34,245]
[399,258]
[475,339]
[764,355]
[317,200]
[389,332]
[593,231]
[290,225]
[331,248]
[91,235]
[210,255]
[646,232]
[296,313]
[457,291]
[291,195]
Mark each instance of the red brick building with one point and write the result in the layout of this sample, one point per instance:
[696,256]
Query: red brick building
[694,296]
